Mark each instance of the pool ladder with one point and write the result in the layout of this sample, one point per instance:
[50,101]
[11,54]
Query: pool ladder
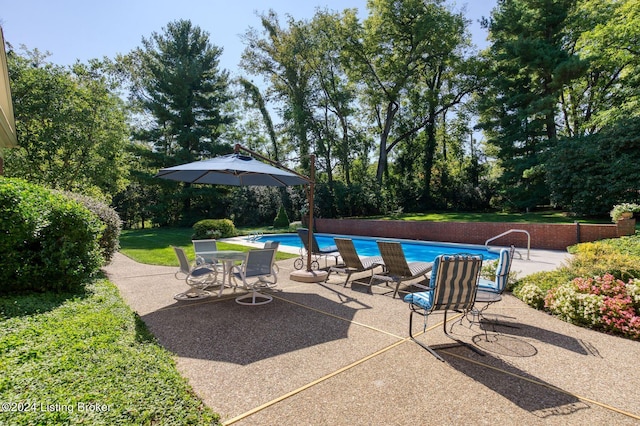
[486,243]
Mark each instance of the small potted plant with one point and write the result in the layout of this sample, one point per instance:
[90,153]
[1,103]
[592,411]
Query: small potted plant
[624,211]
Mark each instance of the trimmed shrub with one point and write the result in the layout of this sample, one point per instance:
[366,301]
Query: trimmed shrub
[47,241]
[110,239]
[213,228]
[281,220]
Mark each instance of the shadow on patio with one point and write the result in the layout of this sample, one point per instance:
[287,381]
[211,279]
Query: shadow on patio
[224,331]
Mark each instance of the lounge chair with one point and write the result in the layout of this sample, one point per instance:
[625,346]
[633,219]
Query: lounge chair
[352,262]
[197,277]
[316,251]
[452,286]
[397,267]
[258,265]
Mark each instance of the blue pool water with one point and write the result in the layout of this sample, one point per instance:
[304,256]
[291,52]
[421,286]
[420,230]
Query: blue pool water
[366,246]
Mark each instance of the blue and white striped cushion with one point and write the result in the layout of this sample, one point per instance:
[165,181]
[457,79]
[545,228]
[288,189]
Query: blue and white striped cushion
[502,275]
[423,299]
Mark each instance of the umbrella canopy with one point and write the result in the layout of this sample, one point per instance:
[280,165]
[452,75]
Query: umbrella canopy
[242,170]
[232,169]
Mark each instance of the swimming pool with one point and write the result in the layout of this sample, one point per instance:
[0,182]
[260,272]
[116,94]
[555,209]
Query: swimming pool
[367,246]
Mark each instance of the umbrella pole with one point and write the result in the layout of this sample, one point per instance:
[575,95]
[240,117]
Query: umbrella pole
[312,169]
[309,275]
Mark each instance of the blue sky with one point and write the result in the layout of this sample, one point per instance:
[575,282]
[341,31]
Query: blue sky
[83,29]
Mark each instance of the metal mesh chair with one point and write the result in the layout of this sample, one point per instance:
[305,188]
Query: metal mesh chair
[197,277]
[203,250]
[258,264]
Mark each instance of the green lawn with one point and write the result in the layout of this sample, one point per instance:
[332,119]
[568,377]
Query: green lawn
[153,246]
[550,216]
[88,359]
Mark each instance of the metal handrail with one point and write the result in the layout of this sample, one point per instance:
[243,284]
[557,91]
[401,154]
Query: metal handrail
[486,243]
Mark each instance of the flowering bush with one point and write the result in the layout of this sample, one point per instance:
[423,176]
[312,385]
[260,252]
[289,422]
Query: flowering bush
[531,294]
[488,270]
[603,303]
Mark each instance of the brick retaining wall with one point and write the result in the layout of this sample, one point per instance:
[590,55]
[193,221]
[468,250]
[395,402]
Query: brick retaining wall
[543,236]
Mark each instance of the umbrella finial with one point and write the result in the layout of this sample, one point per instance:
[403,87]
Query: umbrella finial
[236,149]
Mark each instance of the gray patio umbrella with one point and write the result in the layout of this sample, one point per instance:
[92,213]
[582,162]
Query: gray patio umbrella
[244,170]
[232,169]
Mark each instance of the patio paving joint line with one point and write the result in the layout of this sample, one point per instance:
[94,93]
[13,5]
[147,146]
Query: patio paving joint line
[335,373]
[313,383]
[338,317]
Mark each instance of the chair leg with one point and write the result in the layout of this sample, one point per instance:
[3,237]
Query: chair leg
[444,327]
[424,346]
[347,280]
[395,293]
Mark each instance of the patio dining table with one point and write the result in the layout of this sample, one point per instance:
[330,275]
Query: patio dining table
[227,258]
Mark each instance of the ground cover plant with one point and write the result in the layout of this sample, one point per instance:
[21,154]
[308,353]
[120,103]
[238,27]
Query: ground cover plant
[86,358]
[599,288]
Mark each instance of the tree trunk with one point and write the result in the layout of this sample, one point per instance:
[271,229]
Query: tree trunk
[392,109]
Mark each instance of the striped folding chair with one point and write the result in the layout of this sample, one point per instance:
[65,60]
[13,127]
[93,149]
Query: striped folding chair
[489,291]
[452,287]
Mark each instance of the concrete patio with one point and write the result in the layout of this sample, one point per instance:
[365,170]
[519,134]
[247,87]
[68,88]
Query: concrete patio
[325,354]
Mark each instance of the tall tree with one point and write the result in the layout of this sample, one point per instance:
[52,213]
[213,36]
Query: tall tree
[253,93]
[390,53]
[182,97]
[333,95]
[72,126]
[272,52]
[606,35]
[529,67]
[183,91]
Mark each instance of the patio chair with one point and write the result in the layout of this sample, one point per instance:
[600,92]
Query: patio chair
[397,267]
[352,262]
[258,264]
[275,268]
[316,251]
[197,277]
[452,287]
[203,248]
[490,292]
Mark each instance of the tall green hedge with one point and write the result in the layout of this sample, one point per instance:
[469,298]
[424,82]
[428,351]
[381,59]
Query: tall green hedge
[47,241]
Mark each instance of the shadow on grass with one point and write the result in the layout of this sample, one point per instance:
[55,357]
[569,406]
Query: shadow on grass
[19,305]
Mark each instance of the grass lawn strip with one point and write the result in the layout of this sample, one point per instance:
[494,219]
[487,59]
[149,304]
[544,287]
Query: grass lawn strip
[153,246]
[88,359]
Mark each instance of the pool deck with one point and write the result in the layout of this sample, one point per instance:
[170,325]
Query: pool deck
[321,353]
